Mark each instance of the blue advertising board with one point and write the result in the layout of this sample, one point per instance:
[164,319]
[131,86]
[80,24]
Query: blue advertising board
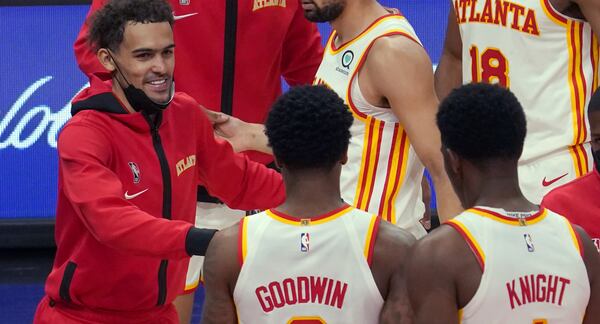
[39,77]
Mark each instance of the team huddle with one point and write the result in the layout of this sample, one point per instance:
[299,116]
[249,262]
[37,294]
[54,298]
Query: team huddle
[508,127]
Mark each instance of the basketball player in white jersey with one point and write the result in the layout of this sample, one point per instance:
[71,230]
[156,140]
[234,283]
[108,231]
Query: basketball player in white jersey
[314,259]
[504,259]
[546,52]
[376,63]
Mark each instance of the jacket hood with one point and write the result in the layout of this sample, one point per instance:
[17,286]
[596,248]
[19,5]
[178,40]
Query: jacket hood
[98,96]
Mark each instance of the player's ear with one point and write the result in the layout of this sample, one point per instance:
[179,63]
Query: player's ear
[106,59]
[452,160]
[277,163]
[344,159]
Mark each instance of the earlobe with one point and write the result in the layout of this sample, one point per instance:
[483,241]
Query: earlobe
[344,159]
[454,161]
[105,59]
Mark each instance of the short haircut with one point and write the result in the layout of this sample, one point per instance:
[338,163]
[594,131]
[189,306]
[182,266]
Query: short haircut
[107,25]
[309,128]
[594,105]
[482,122]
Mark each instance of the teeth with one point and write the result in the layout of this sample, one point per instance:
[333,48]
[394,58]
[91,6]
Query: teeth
[157,82]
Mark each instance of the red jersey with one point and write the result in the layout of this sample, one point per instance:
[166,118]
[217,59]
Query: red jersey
[231,59]
[127,199]
[579,201]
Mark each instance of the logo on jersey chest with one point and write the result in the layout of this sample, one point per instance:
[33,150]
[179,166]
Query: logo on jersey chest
[346,60]
[529,243]
[184,2]
[597,243]
[498,12]
[135,171]
[185,164]
[261,4]
[304,242]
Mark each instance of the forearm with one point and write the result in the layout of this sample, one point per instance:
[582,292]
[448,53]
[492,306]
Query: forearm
[448,204]
[448,75]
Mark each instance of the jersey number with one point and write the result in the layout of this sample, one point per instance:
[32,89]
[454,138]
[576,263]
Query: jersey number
[306,320]
[489,67]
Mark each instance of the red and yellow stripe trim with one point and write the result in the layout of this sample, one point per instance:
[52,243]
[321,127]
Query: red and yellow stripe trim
[396,171]
[291,220]
[535,218]
[371,238]
[333,49]
[554,15]
[242,240]
[578,89]
[370,159]
[471,241]
[595,57]
[576,238]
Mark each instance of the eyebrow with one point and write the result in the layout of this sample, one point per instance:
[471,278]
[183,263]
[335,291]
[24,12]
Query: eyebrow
[146,50]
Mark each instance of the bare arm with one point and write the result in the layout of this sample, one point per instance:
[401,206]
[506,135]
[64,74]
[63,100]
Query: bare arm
[592,264]
[389,269]
[221,270]
[591,11]
[431,286]
[399,70]
[448,74]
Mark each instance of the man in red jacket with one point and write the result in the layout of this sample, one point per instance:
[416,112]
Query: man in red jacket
[129,162]
[579,200]
[231,55]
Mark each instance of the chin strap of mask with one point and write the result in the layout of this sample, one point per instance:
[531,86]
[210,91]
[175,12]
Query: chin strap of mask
[138,99]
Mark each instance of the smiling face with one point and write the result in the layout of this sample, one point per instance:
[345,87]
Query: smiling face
[323,10]
[146,59]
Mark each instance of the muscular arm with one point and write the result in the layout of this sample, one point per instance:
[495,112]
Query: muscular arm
[591,11]
[448,74]
[399,70]
[389,269]
[221,269]
[592,264]
[430,275]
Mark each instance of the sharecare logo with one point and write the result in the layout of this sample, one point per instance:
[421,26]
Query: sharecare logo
[51,122]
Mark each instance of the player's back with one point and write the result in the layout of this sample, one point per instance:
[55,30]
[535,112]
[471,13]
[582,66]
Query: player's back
[307,270]
[548,60]
[533,270]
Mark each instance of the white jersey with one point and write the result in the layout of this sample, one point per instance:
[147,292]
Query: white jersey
[383,174]
[533,270]
[307,270]
[548,60]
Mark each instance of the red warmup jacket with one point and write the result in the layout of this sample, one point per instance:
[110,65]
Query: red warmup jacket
[579,201]
[127,200]
[230,55]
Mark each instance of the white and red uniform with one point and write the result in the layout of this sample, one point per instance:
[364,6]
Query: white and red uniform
[550,62]
[308,270]
[383,174]
[533,270]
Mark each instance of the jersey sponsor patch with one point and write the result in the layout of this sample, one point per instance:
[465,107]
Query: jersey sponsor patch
[135,171]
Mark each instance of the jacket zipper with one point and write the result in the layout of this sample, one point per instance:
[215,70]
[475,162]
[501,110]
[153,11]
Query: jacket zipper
[231,13]
[166,208]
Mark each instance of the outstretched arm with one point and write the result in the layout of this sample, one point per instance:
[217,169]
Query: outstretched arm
[399,70]
[448,74]
[221,270]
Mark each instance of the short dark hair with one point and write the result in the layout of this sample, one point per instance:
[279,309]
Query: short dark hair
[482,122]
[107,25]
[309,128]
[594,104]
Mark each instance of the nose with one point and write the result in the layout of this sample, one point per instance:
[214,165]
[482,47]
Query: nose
[159,65]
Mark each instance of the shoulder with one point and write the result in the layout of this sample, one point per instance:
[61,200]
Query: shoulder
[397,47]
[440,249]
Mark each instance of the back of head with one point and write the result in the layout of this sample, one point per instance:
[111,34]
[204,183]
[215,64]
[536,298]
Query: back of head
[107,25]
[482,123]
[309,128]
